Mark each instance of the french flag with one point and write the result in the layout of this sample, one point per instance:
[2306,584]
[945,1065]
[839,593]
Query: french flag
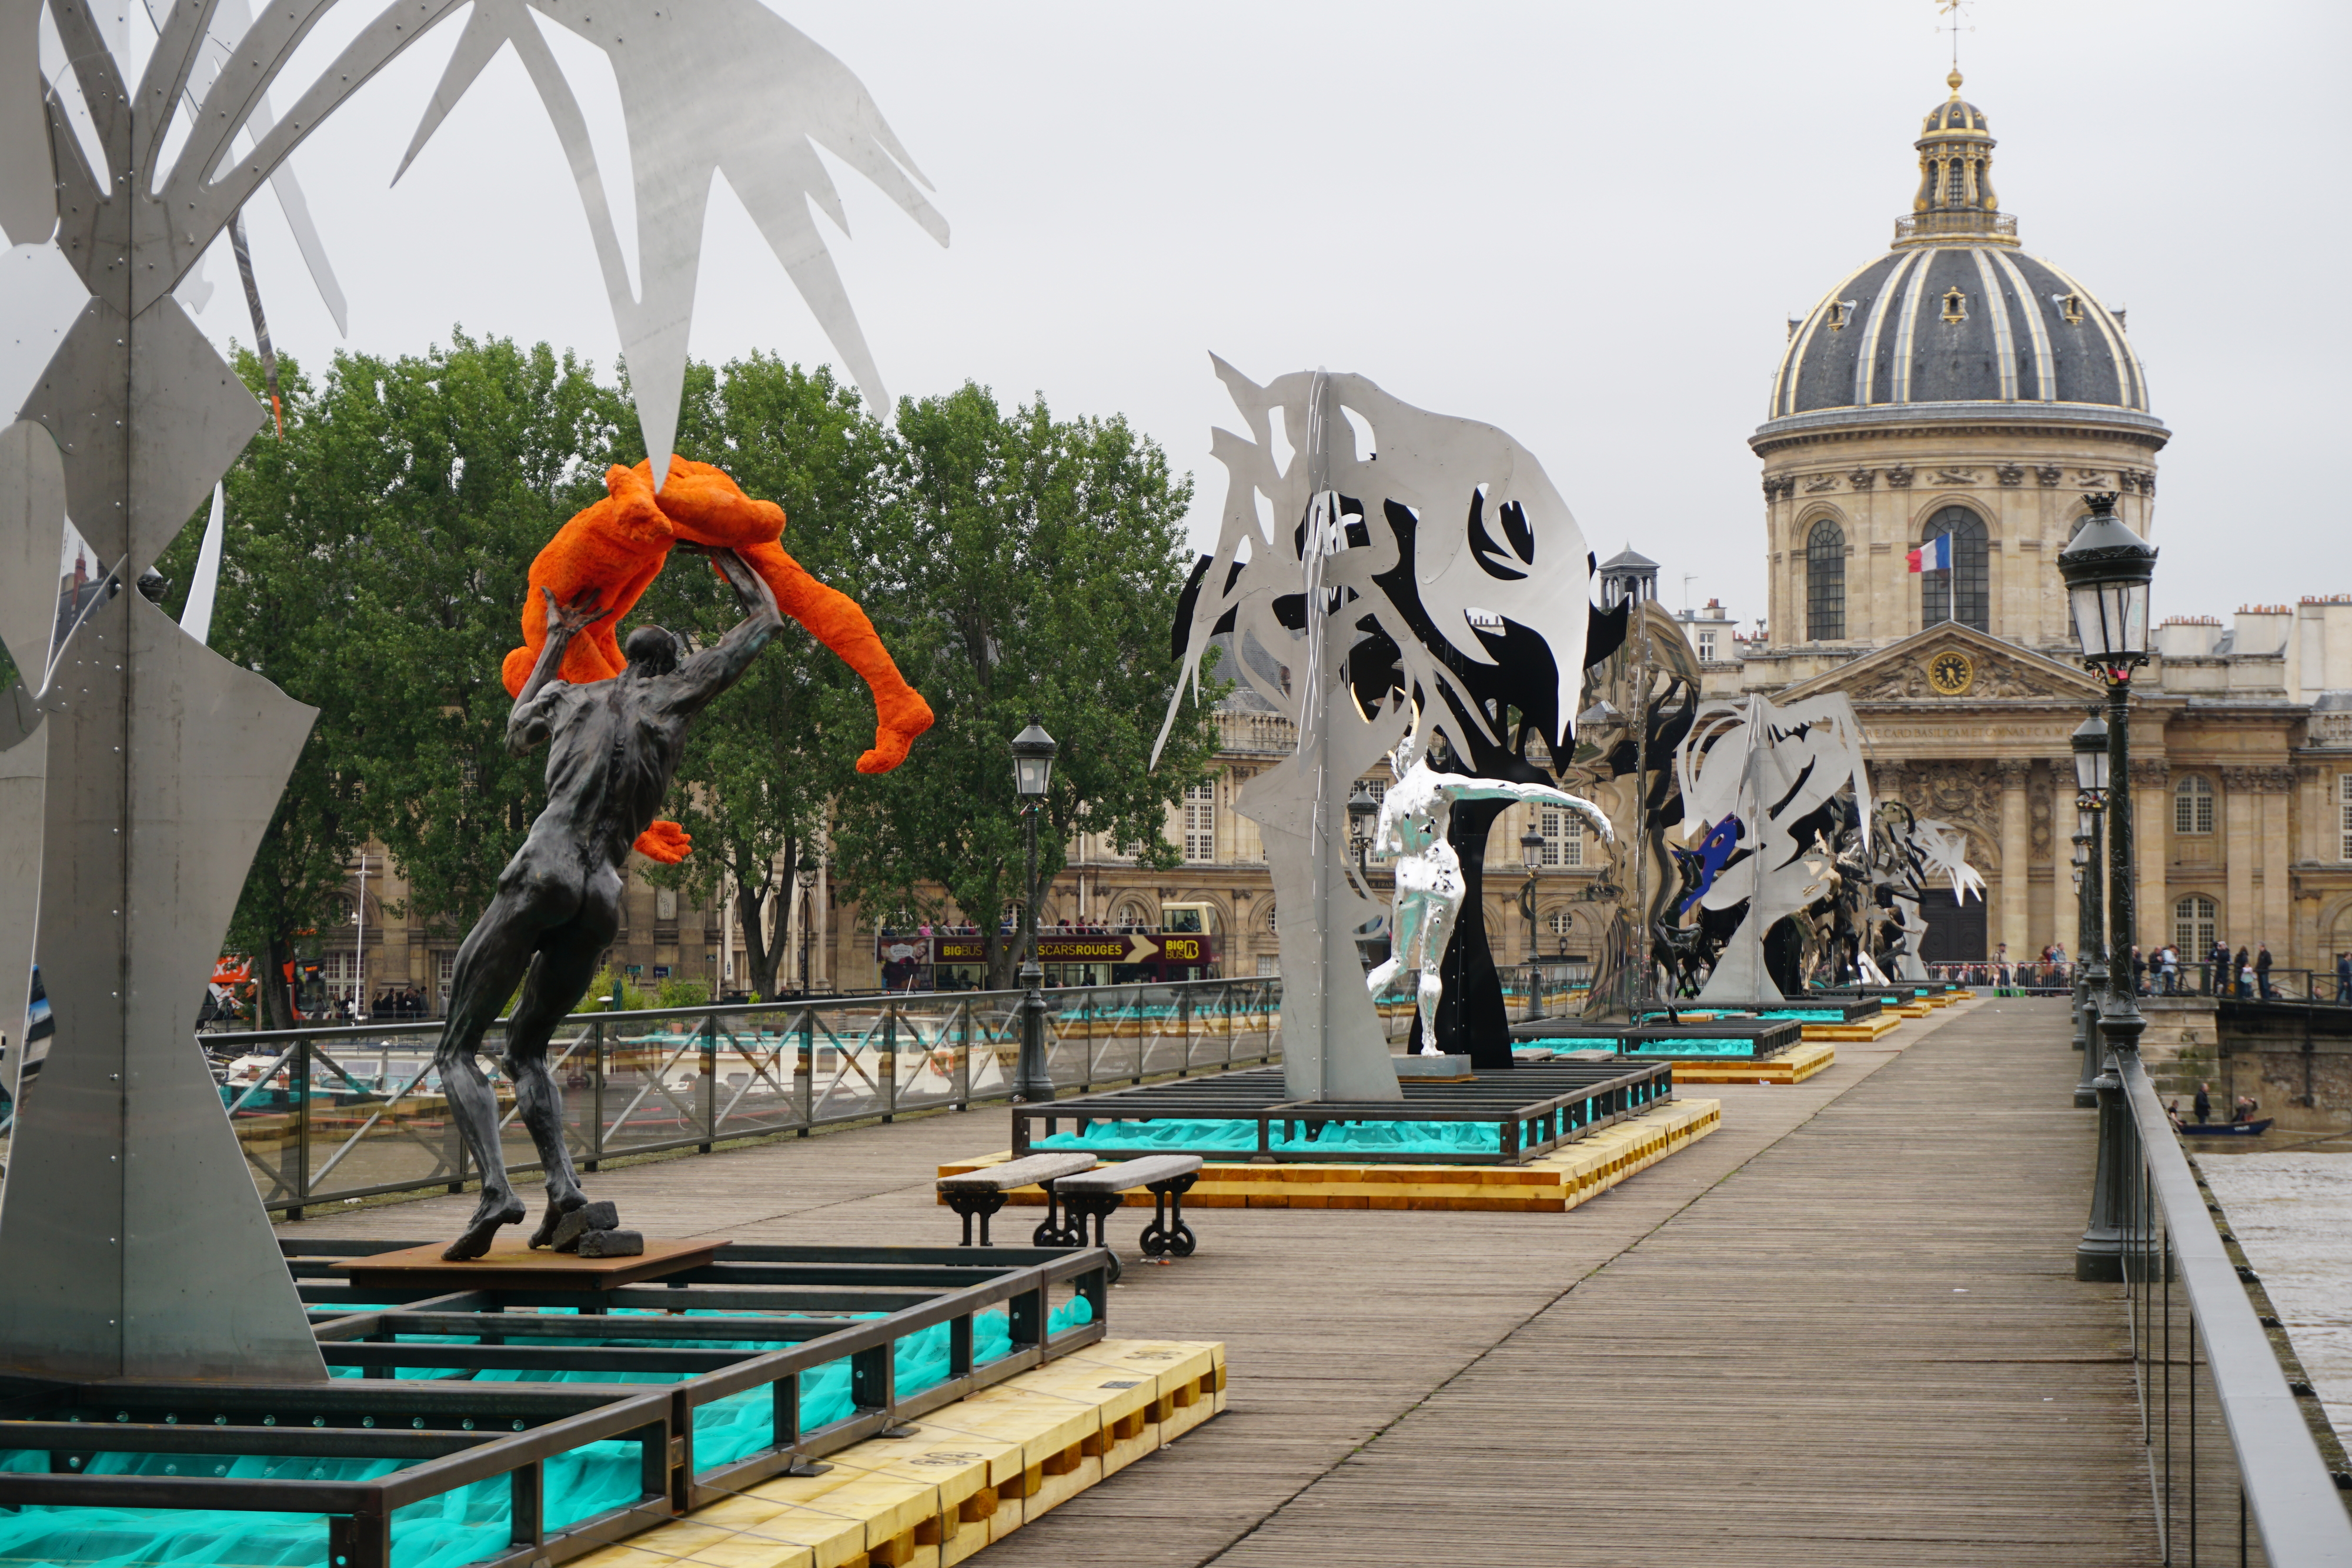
[1935,555]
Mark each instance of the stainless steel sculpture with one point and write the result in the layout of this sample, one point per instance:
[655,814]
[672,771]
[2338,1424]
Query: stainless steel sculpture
[1912,851]
[1414,816]
[1427,586]
[132,1243]
[1759,775]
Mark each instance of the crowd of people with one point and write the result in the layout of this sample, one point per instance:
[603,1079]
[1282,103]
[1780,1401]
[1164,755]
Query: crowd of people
[2243,975]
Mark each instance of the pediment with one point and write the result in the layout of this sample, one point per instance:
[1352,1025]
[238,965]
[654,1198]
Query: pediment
[1951,663]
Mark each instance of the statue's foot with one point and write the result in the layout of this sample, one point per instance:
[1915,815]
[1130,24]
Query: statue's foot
[484,1228]
[558,1206]
[904,717]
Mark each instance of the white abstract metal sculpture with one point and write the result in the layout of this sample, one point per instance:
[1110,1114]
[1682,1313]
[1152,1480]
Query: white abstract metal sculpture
[1431,583]
[1414,816]
[1766,768]
[1912,853]
[131,1240]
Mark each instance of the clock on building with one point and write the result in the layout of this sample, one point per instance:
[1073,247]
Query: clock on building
[1950,672]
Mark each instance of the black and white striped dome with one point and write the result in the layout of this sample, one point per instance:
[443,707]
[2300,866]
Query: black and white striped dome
[1957,322]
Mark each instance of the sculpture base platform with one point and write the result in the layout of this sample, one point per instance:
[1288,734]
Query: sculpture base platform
[1434,1069]
[1501,1116]
[514,1265]
[1693,1037]
[1794,1065]
[1553,1182]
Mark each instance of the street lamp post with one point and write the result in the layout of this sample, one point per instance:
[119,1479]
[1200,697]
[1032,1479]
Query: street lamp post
[2090,743]
[2107,570]
[1531,849]
[805,874]
[1032,770]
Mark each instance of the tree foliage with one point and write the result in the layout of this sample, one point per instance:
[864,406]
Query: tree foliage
[1015,564]
[1031,566]
[766,758]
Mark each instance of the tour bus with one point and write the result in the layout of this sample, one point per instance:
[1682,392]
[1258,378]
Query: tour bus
[1182,947]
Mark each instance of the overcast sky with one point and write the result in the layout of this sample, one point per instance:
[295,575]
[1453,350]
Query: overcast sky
[1585,222]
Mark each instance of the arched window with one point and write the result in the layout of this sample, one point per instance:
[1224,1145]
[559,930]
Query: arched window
[2192,926]
[1561,922]
[1273,919]
[1826,582]
[1960,594]
[2193,805]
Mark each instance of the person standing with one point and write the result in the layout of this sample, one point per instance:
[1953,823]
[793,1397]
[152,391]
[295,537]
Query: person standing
[2217,970]
[2262,969]
[2344,976]
[2204,1103]
[2138,973]
[2243,971]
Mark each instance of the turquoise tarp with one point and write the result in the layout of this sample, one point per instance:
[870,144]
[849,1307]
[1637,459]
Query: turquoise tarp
[469,1523]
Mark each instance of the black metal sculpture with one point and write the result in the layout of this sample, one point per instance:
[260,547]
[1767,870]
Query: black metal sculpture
[612,748]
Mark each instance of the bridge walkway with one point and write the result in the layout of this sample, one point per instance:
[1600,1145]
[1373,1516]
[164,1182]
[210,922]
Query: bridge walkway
[1844,1329]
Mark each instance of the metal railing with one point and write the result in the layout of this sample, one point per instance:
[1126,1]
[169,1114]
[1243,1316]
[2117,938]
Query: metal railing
[2234,1471]
[343,1113]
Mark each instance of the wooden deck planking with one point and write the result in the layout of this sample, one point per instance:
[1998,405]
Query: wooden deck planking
[1751,1352]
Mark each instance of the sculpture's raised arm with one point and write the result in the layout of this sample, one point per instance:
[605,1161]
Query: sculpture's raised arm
[527,721]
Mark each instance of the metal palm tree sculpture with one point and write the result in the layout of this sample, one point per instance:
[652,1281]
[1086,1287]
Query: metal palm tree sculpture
[130,1243]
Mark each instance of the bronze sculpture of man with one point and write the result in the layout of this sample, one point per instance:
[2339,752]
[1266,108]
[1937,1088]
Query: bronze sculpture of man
[613,747]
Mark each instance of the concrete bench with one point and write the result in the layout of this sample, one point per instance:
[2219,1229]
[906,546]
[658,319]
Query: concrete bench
[983,1192]
[1093,1195]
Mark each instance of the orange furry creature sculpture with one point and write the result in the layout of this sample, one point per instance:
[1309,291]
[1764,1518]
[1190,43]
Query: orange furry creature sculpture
[617,546]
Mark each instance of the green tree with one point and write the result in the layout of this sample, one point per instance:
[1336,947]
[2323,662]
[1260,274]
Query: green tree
[763,760]
[1031,566]
[447,473]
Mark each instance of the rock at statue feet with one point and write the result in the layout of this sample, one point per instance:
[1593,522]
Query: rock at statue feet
[558,1206]
[585,1220]
[496,1209]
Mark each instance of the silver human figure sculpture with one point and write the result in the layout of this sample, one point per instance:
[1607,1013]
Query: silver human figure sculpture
[1415,815]
[612,748]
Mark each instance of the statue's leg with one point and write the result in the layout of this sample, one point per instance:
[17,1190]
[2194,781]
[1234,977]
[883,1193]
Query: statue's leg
[489,964]
[1436,925]
[567,962]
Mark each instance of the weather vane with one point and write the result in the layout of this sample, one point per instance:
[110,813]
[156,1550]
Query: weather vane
[1955,11]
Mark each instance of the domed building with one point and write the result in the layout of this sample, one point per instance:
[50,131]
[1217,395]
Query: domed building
[1954,387]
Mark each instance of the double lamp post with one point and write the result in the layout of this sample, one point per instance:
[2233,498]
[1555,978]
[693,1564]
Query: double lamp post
[2107,570]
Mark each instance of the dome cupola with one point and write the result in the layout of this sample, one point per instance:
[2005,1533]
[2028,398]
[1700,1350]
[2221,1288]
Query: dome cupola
[1953,316]
[1956,194]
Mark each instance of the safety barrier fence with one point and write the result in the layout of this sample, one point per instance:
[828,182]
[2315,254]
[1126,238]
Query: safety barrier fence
[325,1116]
[2234,1469]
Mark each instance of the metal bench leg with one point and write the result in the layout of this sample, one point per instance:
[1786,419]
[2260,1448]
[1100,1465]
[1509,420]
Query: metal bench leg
[983,1204]
[1054,1229]
[1167,1232]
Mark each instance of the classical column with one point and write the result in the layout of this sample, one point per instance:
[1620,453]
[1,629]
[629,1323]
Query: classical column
[2277,925]
[2152,841]
[2016,858]
[2241,821]
[2065,904]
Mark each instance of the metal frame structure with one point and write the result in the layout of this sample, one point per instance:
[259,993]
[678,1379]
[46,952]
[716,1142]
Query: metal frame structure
[1534,1111]
[2197,1338]
[445,1422]
[1761,1038]
[800,1065]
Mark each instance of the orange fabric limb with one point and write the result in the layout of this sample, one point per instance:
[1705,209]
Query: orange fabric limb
[615,548]
[834,619]
[618,546]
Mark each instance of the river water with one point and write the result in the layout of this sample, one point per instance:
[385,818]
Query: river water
[2292,1215]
